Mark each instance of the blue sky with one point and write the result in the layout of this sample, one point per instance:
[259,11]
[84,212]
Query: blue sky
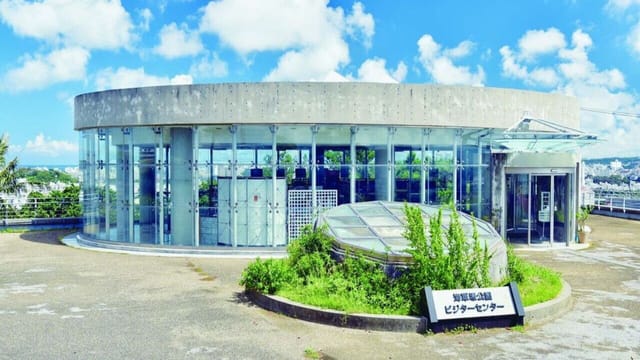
[53,50]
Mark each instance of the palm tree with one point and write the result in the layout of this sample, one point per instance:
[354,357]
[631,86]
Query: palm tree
[8,179]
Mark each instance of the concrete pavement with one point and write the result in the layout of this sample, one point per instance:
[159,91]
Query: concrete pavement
[65,303]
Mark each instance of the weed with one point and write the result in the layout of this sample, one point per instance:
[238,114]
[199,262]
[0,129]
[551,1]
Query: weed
[310,353]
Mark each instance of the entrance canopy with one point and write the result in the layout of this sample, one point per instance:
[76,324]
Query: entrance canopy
[537,135]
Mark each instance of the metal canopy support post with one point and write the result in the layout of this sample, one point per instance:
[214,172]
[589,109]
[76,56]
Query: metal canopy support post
[455,168]
[160,181]
[529,214]
[479,180]
[234,192]
[314,167]
[390,163]
[195,197]
[273,207]
[107,187]
[423,165]
[352,166]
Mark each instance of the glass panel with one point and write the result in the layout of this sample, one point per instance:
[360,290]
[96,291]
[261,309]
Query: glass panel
[254,150]
[344,221]
[561,194]
[541,206]
[145,187]
[408,167]
[333,159]
[368,244]
[381,220]
[294,155]
[389,232]
[214,162]
[517,207]
[372,166]
[90,196]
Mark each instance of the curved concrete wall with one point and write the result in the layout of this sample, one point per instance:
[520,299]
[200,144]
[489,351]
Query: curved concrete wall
[321,103]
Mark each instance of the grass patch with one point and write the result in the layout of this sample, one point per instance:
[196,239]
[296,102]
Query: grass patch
[357,285]
[540,284]
[16,230]
[324,294]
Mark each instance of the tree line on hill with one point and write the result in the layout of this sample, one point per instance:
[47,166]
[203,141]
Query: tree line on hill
[64,203]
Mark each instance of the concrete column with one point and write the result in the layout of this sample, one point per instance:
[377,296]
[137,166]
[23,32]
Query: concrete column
[123,173]
[182,231]
[498,190]
[382,174]
[147,193]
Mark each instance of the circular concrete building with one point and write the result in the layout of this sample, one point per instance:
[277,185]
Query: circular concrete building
[248,164]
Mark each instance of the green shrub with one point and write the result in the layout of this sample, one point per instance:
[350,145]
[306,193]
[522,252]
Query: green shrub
[310,253]
[515,266]
[443,261]
[267,276]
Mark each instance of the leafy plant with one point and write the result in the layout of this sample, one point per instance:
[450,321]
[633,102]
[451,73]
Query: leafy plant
[309,254]
[444,260]
[582,215]
[267,276]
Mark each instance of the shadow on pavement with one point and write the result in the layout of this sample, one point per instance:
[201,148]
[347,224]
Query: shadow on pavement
[51,237]
[240,297]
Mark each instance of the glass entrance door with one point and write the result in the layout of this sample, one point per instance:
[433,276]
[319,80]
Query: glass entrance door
[538,208]
[518,208]
[541,201]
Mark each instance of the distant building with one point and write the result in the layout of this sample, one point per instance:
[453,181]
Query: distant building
[615,165]
[245,165]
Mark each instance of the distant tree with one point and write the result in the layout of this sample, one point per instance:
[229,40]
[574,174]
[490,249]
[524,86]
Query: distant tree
[8,179]
[44,177]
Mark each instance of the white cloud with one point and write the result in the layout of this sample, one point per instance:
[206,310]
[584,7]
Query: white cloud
[209,67]
[92,24]
[128,78]
[310,33]
[39,71]
[573,73]
[463,49]
[374,70]
[511,68]
[540,42]
[359,22]
[634,39]
[48,147]
[574,65]
[270,25]
[400,72]
[618,5]
[178,42]
[145,18]
[439,63]
[318,63]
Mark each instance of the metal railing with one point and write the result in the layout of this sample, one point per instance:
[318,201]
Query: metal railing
[616,201]
[41,209]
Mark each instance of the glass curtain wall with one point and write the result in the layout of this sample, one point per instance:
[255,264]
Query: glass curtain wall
[372,163]
[214,162]
[409,157]
[228,185]
[333,160]
[440,154]
[473,192]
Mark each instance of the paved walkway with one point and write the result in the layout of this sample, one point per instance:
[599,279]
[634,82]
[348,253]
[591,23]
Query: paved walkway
[58,302]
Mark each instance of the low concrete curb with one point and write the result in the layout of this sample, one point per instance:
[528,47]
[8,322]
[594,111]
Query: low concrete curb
[535,314]
[396,323]
[549,310]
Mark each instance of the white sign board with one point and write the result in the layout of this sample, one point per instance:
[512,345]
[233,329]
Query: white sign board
[472,303]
